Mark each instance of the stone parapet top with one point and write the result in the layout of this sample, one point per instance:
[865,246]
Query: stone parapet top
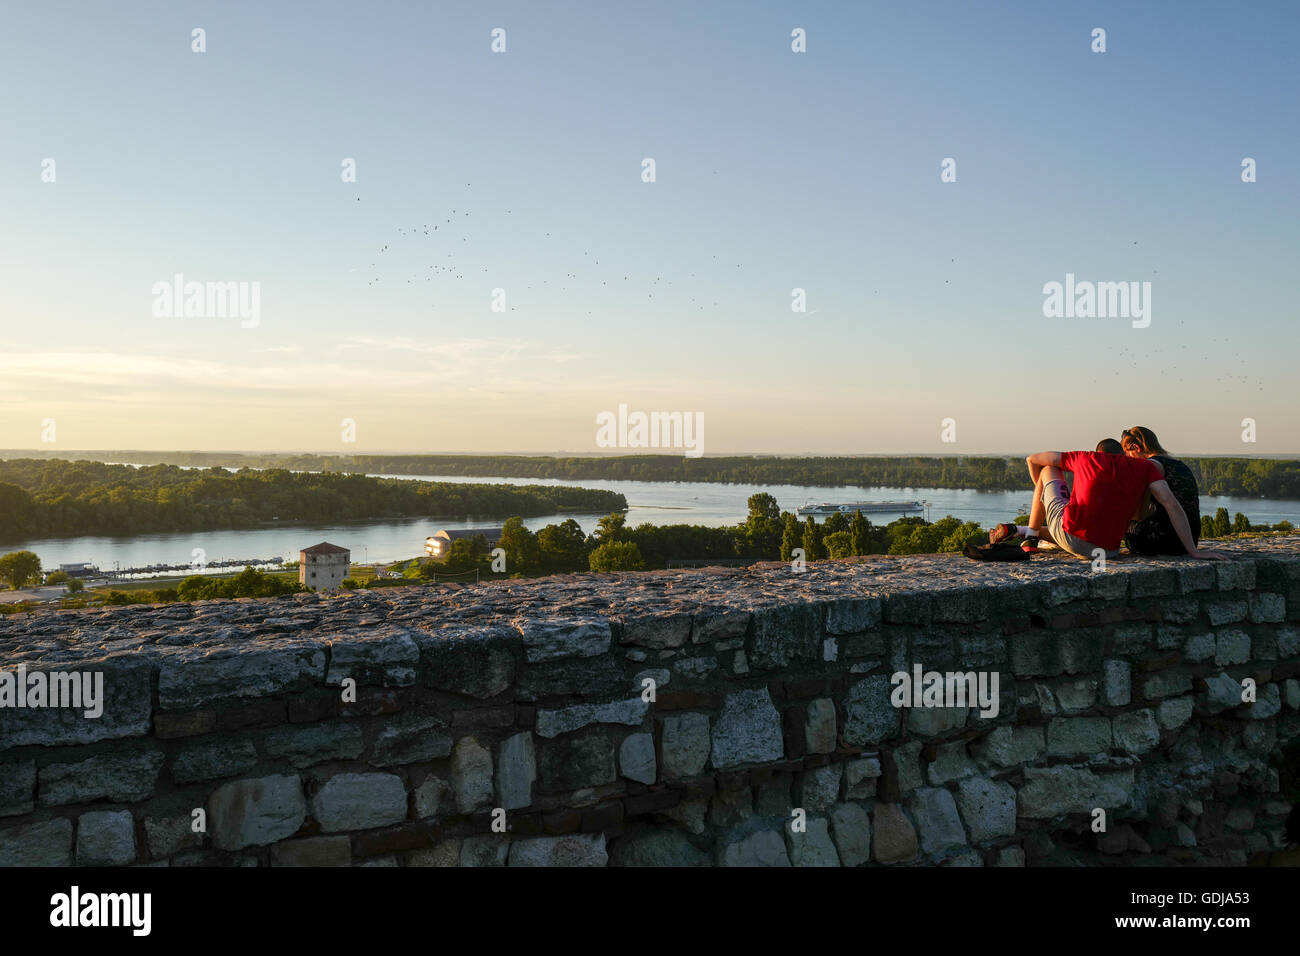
[503,608]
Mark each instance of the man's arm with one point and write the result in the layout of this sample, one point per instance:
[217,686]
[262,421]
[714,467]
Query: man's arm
[1161,491]
[1040,460]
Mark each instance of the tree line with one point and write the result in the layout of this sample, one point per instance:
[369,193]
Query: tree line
[52,497]
[767,534]
[1243,477]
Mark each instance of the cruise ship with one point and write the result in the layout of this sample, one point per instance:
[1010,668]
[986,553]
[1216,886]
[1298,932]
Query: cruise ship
[866,507]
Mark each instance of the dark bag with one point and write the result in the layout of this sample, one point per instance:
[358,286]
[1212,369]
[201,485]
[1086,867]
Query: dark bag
[1002,551]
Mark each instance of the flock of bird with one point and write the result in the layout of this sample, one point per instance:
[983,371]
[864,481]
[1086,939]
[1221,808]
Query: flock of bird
[458,270]
[1128,361]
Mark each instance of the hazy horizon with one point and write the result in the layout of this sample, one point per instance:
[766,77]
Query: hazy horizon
[521,172]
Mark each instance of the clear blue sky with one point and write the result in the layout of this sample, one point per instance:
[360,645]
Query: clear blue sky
[775,170]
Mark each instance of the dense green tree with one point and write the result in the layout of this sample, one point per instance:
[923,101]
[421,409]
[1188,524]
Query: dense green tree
[616,556]
[1270,478]
[20,567]
[563,546]
[791,535]
[763,505]
[834,524]
[860,534]
[1207,527]
[612,527]
[1222,527]
[812,540]
[1240,523]
[53,497]
[523,554]
[838,544]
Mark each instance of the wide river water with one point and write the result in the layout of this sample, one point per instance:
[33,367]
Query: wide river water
[657,502]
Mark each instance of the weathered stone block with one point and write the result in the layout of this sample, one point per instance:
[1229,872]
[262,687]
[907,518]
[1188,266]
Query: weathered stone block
[752,847]
[478,663]
[748,730]
[212,760]
[1200,647]
[851,831]
[936,819]
[1226,612]
[951,762]
[1166,683]
[1012,746]
[574,762]
[553,640]
[869,717]
[658,631]
[1117,683]
[893,836]
[1152,582]
[786,633]
[576,849]
[316,743]
[684,745]
[860,778]
[930,721]
[125,778]
[1231,647]
[48,843]
[106,838]
[721,624]
[516,770]
[410,738]
[1076,696]
[385,656]
[820,727]
[1172,714]
[661,847]
[852,615]
[17,784]
[1053,791]
[636,758]
[1195,576]
[359,801]
[485,849]
[819,788]
[313,851]
[987,807]
[906,759]
[1070,736]
[471,774]
[812,846]
[1136,732]
[188,682]
[166,835]
[126,710]
[553,723]
[960,606]
[1236,575]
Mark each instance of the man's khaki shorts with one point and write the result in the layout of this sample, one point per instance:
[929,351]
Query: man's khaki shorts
[1055,497]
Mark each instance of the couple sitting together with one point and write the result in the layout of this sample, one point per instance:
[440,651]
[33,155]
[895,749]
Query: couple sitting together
[1125,489]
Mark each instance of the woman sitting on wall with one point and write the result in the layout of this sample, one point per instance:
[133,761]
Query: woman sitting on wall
[1151,531]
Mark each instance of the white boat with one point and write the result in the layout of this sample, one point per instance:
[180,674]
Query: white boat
[866,507]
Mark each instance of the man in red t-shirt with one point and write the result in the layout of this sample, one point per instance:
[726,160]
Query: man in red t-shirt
[1109,487]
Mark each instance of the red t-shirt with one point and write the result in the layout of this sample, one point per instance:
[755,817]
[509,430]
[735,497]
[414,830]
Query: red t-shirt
[1107,489]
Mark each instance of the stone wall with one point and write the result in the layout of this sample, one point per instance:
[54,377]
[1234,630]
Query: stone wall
[524,703]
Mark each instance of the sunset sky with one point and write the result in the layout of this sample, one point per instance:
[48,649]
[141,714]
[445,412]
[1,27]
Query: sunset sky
[775,170]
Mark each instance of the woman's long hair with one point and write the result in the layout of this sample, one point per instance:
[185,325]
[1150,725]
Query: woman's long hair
[1143,439]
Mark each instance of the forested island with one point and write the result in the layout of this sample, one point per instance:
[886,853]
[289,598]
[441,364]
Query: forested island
[1243,477]
[52,497]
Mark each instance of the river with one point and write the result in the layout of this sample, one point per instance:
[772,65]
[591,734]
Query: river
[657,502]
